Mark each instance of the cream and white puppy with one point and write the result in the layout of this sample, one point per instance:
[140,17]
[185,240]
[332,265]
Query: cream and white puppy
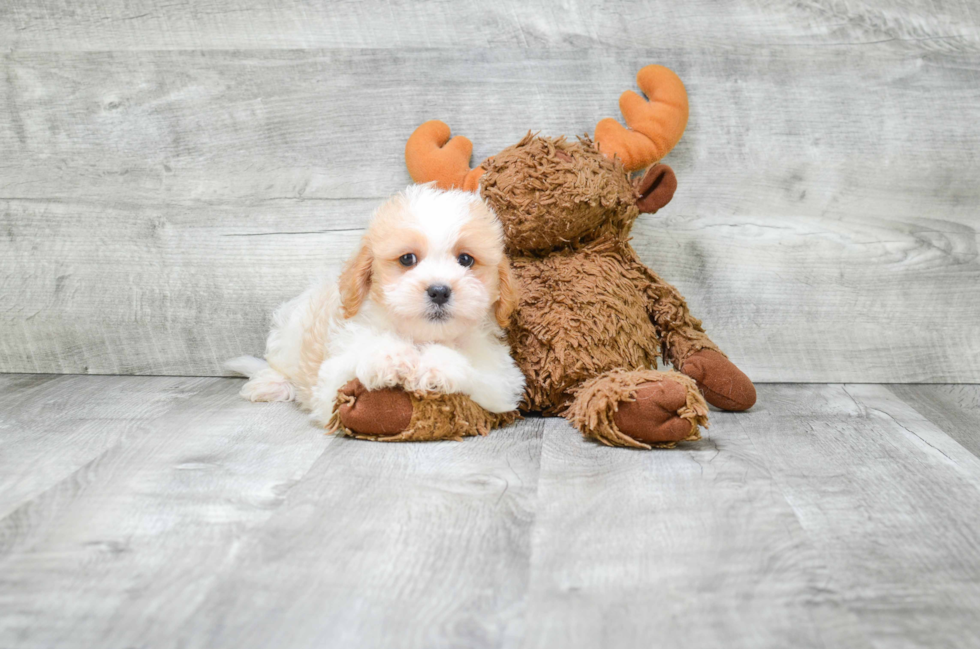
[420,305]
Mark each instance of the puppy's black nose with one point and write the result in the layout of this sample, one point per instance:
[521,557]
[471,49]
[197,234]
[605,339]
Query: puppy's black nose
[439,293]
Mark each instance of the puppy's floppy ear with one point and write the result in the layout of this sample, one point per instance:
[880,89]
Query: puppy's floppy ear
[507,302]
[355,281]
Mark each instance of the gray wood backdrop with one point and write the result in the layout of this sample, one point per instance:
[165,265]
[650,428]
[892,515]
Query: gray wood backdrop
[169,172]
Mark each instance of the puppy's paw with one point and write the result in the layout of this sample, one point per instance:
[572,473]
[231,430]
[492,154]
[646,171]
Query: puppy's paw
[387,366]
[440,369]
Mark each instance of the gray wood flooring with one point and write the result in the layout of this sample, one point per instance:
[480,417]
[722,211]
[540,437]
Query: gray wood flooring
[169,172]
[168,512]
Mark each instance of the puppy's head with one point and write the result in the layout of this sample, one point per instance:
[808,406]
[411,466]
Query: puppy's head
[434,260]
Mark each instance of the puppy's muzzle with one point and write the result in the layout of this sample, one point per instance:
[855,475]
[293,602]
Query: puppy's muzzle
[439,294]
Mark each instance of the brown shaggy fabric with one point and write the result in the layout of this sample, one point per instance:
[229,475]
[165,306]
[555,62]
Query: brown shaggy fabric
[597,401]
[579,315]
[433,416]
[546,200]
[682,333]
[592,319]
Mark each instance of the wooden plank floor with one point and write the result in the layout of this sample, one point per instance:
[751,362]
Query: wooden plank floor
[168,512]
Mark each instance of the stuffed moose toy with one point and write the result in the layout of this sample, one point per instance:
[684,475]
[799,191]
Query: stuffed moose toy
[592,319]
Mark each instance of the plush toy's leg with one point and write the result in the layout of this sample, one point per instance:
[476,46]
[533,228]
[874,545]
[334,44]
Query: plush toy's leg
[723,384]
[393,415]
[687,347]
[639,409]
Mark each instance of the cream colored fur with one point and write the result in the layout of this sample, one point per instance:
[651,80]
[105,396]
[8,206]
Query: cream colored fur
[377,323]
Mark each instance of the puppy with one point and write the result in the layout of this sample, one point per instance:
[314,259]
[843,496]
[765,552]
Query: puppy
[421,305]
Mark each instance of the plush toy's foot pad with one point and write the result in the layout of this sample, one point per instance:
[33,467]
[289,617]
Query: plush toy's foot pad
[374,413]
[639,409]
[653,415]
[722,383]
[393,415]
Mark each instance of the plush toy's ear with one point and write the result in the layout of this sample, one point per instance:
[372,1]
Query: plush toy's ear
[655,126]
[355,281]
[431,156]
[656,188]
[507,302]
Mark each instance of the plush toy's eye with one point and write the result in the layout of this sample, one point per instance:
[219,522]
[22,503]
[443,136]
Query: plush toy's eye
[465,260]
[408,259]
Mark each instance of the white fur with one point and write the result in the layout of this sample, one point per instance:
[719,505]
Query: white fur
[392,341]
[266,385]
[245,365]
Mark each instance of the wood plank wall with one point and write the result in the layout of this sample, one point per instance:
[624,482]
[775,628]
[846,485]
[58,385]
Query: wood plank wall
[170,172]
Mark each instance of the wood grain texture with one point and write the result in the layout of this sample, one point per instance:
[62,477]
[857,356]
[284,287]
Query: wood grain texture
[889,500]
[162,289]
[294,24]
[694,547]
[51,426]
[121,549]
[827,516]
[153,538]
[417,545]
[824,230]
[955,409]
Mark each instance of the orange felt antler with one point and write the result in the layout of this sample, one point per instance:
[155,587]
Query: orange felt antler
[431,155]
[655,126]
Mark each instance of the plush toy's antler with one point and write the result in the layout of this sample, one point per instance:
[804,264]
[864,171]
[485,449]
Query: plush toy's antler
[431,155]
[655,125]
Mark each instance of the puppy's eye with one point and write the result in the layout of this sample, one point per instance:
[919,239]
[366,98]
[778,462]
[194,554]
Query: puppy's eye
[408,259]
[465,260]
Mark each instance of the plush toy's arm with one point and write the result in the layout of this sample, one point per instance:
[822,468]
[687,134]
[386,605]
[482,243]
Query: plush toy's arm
[681,334]
[689,349]
[393,415]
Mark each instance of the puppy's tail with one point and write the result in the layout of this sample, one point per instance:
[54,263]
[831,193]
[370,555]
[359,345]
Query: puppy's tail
[245,365]
[265,383]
